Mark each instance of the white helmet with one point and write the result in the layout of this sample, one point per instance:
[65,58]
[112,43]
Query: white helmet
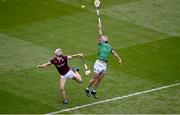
[104,39]
[58,52]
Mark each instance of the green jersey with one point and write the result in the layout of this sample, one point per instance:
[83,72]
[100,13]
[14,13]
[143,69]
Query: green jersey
[104,50]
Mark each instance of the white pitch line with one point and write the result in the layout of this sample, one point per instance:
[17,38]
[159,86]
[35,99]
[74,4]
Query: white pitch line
[116,98]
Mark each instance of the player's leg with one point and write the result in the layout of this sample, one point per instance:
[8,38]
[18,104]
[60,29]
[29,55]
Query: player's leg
[91,82]
[96,84]
[94,78]
[99,68]
[96,74]
[77,77]
[62,90]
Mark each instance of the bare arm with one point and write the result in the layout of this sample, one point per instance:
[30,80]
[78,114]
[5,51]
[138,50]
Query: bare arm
[97,5]
[44,65]
[75,56]
[100,27]
[117,56]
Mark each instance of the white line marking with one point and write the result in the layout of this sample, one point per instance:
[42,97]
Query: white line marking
[116,98]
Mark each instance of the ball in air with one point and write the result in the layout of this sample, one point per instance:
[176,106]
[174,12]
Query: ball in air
[82,6]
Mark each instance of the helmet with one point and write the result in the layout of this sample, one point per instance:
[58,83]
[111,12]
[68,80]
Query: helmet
[58,52]
[104,39]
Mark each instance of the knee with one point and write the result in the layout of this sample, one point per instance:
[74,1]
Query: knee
[61,88]
[78,79]
[95,78]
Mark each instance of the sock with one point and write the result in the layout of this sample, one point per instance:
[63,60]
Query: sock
[95,87]
[87,88]
[94,90]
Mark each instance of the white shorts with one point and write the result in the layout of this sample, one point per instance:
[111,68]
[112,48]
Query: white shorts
[100,67]
[70,74]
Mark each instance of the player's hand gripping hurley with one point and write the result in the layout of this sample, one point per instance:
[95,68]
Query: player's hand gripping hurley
[87,71]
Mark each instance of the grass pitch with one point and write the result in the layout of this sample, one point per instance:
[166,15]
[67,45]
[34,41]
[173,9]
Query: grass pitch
[145,33]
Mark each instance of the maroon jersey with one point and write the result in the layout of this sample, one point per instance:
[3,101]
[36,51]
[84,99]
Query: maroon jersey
[61,64]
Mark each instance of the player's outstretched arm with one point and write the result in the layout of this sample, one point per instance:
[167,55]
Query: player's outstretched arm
[117,56]
[44,65]
[75,56]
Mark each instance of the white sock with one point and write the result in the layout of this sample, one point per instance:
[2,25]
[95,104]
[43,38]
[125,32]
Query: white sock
[87,88]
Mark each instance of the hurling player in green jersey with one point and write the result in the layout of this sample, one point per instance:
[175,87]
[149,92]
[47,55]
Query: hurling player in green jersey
[100,66]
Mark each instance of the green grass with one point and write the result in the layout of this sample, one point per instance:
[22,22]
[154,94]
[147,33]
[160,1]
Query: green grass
[144,33]
[21,12]
[162,16]
[161,103]
[154,63]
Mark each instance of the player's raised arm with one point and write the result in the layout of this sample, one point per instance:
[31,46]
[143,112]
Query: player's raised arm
[100,28]
[97,4]
[117,56]
[75,56]
[44,65]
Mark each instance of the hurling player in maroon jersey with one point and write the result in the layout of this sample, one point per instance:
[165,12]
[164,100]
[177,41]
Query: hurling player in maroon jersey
[60,62]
